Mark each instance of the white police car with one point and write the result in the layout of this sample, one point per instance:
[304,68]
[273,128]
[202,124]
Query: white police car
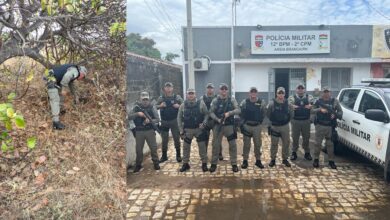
[365,124]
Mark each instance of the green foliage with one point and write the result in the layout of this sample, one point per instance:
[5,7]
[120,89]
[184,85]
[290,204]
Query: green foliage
[142,46]
[170,56]
[117,28]
[8,119]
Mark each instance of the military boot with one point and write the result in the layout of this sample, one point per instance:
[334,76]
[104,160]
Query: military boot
[58,125]
[204,167]
[259,164]
[308,156]
[185,167]
[137,168]
[332,165]
[213,168]
[156,166]
[293,156]
[244,164]
[178,157]
[164,157]
[272,163]
[235,168]
[286,163]
[316,163]
[220,156]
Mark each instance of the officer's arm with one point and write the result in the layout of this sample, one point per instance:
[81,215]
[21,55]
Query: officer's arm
[203,109]
[180,117]
[269,109]
[242,106]
[73,91]
[212,109]
[339,110]
[68,76]
[156,119]
[236,109]
[132,114]
[291,100]
[263,108]
[291,110]
[179,99]
[159,101]
[315,108]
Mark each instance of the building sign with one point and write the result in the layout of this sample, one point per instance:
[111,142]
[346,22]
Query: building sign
[381,41]
[290,42]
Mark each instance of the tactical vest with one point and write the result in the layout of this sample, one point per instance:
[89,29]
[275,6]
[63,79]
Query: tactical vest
[280,114]
[223,104]
[252,111]
[169,112]
[301,113]
[59,72]
[324,118]
[207,100]
[192,115]
[139,121]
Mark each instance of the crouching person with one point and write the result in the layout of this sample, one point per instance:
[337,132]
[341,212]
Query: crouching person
[192,119]
[144,116]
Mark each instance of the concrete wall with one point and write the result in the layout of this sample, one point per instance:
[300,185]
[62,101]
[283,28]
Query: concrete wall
[148,74]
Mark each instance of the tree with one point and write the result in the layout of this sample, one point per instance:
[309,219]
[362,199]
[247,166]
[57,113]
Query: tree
[52,32]
[170,56]
[142,46]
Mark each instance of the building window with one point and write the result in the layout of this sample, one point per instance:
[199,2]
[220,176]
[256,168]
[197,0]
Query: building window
[297,76]
[336,78]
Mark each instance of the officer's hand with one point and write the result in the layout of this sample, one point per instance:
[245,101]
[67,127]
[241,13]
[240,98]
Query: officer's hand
[176,105]
[141,114]
[64,92]
[202,125]
[182,135]
[295,106]
[324,110]
[227,114]
[163,105]
[308,106]
[147,121]
[332,116]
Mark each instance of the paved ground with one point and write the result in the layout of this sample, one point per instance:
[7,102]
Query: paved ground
[355,190]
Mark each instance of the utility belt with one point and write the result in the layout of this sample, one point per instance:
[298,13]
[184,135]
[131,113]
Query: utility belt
[301,119]
[143,128]
[253,123]
[279,124]
[323,123]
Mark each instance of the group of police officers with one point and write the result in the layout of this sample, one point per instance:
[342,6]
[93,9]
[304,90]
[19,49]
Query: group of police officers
[195,118]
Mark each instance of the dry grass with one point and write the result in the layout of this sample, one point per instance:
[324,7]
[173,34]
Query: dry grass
[82,174]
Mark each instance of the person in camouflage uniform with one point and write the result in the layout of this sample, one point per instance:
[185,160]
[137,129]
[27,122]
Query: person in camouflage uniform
[169,104]
[192,120]
[253,112]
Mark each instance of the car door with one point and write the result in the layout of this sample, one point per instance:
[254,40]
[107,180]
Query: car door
[348,100]
[372,135]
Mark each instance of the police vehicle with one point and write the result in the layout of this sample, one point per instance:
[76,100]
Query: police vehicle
[365,124]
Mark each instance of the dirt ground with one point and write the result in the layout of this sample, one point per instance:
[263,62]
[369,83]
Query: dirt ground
[77,173]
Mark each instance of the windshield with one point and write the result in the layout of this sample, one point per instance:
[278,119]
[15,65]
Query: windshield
[387,99]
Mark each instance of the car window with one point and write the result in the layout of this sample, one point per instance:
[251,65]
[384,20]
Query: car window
[371,100]
[348,98]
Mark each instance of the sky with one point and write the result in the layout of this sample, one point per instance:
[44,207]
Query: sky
[161,20]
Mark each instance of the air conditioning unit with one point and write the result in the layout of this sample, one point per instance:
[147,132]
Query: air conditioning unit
[201,64]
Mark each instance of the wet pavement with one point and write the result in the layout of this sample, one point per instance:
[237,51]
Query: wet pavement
[356,190]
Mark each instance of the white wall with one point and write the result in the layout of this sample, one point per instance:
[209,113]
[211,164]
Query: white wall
[248,75]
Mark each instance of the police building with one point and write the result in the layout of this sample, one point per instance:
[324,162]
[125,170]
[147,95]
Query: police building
[267,57]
